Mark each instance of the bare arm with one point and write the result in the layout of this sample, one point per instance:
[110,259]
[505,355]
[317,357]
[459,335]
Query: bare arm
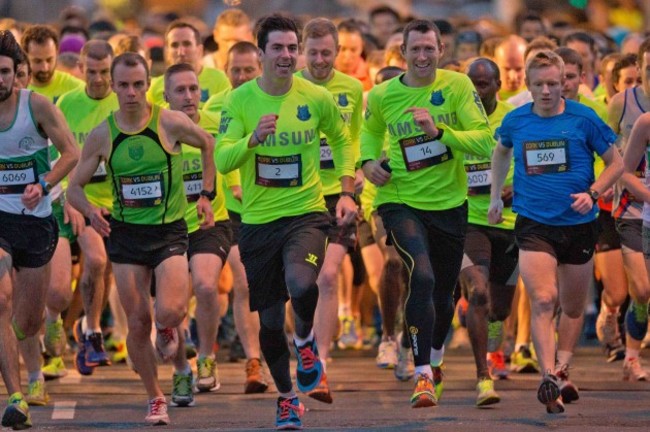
[636,147]
[501,159]
[96,149]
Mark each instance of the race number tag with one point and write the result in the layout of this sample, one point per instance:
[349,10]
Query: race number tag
[100,173]
[423,151]
[142,191]
[278,171]
[15,176]
[326,161]
[479,178]
[193,185]
[546,157]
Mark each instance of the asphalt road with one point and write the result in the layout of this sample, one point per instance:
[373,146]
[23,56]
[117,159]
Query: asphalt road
[365,398]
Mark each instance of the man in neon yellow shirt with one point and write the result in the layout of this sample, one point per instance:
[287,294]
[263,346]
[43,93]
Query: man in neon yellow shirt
[320,44]
[434,117]
[487,272]
[147,231]
[84,109]
[243,64]
[208,248]
[270,130]
[183,45]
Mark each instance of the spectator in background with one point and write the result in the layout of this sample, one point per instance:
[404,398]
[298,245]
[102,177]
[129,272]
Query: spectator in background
[384,21]
[350,59]
[467,45]
[447,36]
[231,26]
[531,26]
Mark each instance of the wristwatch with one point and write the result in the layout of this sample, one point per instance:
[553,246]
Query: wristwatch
[45,186]
[211,195]
[594,194]
[350,194]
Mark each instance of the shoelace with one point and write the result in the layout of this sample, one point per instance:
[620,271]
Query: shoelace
[563,372]
[158,406]
[307,356]
[204,367]
[286,406]
[183,384]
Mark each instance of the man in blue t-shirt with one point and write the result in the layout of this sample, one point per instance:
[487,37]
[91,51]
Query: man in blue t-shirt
[553,141]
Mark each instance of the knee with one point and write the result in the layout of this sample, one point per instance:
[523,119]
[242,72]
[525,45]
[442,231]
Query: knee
[328,281]
[299,283]
[170,316]
[139,325]
[543,303]
[205,292]
[422,281]
[27,325]
[59,300]
[95,264]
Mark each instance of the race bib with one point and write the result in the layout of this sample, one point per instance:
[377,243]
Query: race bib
[479,178]
[546,157]
[15,176]
[278,171]
[326,161]
[193,185]
[423,151]
[100,173]
[142,191]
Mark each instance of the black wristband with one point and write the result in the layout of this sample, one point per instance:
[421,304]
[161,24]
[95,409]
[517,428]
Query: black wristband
[211,195]
[350,194]
[440,133]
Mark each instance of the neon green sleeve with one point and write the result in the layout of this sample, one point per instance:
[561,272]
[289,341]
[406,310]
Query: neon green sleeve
[338,137]
[232,145]
[373,130]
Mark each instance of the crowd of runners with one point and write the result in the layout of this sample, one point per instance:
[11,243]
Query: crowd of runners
[296,176]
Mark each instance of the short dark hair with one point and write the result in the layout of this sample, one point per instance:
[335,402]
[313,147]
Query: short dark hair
[271,23]
[183,24]
[488,63]
[626,61]
[96,49]
[350,25]
[9,48]
[177,68]
[531,16]
[131,60]
[387,72]
[580,37]
[570,56]
[644,48]
[39,34]
[421,26]
[132,43]
[243,47]
[384,10]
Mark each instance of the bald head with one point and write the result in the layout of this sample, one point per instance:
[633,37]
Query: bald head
[509,55]
[485,76]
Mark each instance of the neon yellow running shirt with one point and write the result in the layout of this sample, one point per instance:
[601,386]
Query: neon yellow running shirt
[427,174]
[281,176]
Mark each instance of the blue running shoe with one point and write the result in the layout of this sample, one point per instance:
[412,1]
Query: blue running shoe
[80,358]
[310,369]
[96,355]
[288,415]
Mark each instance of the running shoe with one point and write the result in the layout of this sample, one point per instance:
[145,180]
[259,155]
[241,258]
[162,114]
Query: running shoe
[36,394]
[387,354]
[607,327]
[157,415]
[486,393]
[522,361]
[437,380]
[310,369]
[121,353]
[16,415]
[80,358]
[497,365]
[288,414]
[55,368]
[182,394]
[549,394]
[96,355]
[424,394]
[54,339]
[633,371]
[322,391]
[166,342]
[255,379]
[459,339]
[207,375]
[568,390]
[615,351]
[349,338]
[405,368]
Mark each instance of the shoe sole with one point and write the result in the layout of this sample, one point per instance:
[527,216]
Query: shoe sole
[15,419]
[569,394]
[321,396]
[206,389]
[424,401]
[386,365]
[255,387]
[182,404]
[555,407]
[37,402]
[289,427]
[549,394]
[490,400]
[159,422]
